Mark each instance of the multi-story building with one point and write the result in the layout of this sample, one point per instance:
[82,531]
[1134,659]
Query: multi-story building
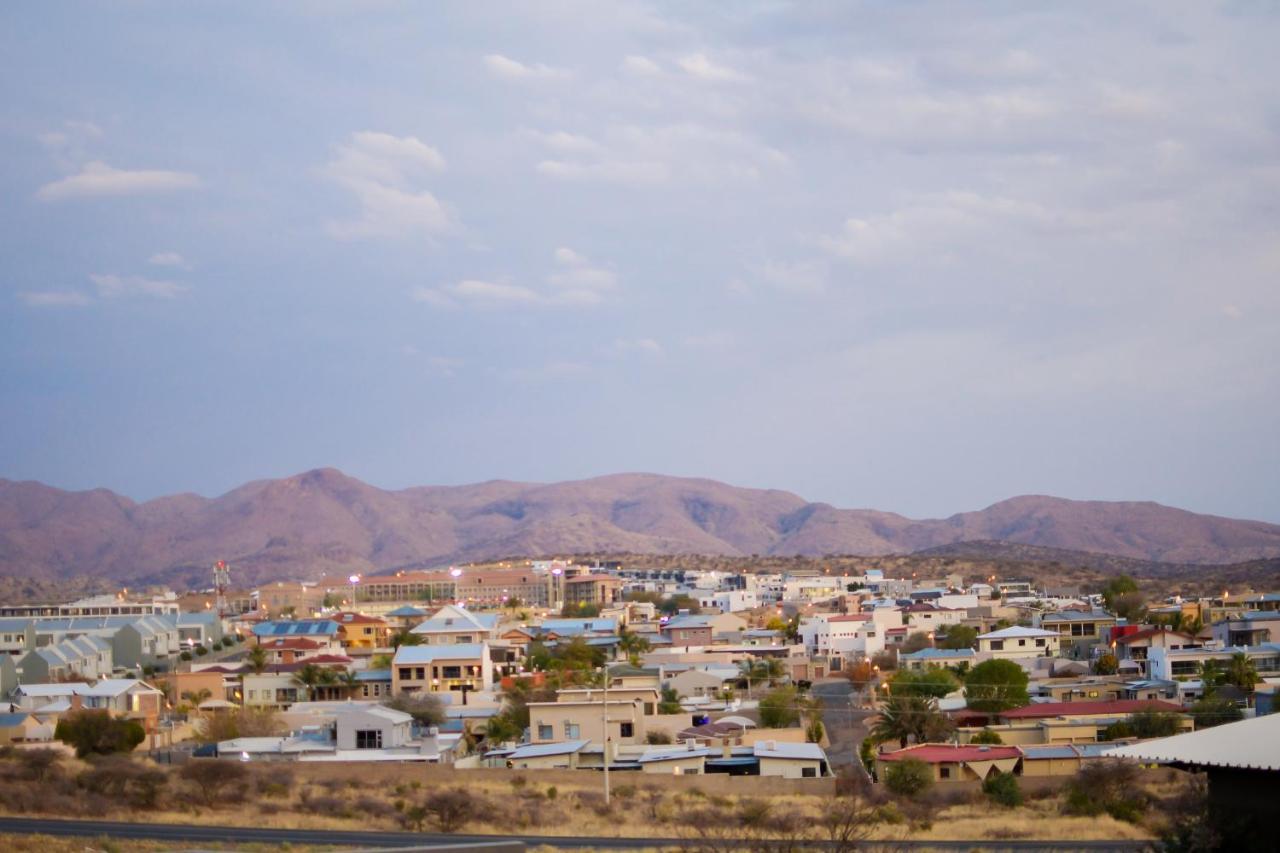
[593,589]
[442,668]
[1180,664]
[1019,642]
[1080,630]
[1251,628]
[451,625]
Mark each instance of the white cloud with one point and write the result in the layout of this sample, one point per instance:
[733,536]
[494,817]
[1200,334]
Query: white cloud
[112,286]
[700,65]
[797,277]
[55,298]
[716,340]
[98,179]
[444,366]
[168,259]
[640,65]
[562,141]
[475,293]
[577,273]
[644,156]
[384,173]
[505,68]
[642,346]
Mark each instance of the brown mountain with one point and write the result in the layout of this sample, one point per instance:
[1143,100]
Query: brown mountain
[325,521]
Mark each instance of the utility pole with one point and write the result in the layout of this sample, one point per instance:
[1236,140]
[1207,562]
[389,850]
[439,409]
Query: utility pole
[605,718]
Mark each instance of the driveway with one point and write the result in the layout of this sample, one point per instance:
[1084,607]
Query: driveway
[845,723]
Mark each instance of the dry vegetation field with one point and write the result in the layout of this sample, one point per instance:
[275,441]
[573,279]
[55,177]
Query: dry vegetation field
[211,792]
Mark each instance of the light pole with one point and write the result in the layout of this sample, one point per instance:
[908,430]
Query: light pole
[605,719]
[355,579]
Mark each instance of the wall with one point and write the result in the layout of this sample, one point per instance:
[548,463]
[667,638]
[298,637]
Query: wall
[391,774]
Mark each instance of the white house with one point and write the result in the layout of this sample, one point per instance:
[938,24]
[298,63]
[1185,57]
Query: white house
[1019,642]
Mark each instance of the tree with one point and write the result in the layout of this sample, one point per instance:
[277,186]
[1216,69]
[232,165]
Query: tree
[97,732]
[195,698]
[1003,788]
[885,659]
[212,777]
[247,722]
[673,605]
[960,637]
[670,702]
[310,677]
[909,777]
[349,682]
[1107,664]
[988,737]
[996,685]
[779,708]
[1211,675]
[427,709]
[1106,785]
[405,637]
[257,660]
[1242,672]
[1213,711]
[1131,606]
[916,641]
[449,809]
[904,718]
[581,609]
[1149,724]
[1116,587]
[933,681]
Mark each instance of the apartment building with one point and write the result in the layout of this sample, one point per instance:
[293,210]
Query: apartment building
[442,668]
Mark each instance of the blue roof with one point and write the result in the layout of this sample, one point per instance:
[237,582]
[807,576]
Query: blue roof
[938,654]
[539,750]
[427,654]
[571,627]
[301,628]
[407,610]
[373,675]
[8,721]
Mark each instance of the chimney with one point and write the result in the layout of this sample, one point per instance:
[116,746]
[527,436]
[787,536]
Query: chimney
[726,751]
[691,743]
[77,702]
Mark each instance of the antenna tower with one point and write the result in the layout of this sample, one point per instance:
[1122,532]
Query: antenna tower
[221,583]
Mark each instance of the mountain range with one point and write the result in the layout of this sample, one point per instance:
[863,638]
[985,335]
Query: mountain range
[324,521]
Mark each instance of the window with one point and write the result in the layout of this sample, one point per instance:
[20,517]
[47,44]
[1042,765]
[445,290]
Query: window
[420,673]
[405,673]
[368,738]
[546,732]
[1022,642]
[997,645]
[571,730]
[452,672]
[944,772]
[626,730]
[1040,643]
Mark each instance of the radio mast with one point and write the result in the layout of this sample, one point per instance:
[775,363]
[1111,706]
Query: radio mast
[221,583]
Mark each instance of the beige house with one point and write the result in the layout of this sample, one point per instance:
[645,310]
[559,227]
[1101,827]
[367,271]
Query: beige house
[572,720]
[952,763]
[1019,642]
[442,668]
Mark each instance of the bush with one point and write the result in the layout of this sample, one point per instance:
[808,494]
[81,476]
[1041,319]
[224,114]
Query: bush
[986,736]
[657,737]
[1106,785]
[123,779]
[1003,788]
[215,780]
[38,764]
[779,708]
[201,651]
[98,733]
[908,777]
[185,656]
[451,809]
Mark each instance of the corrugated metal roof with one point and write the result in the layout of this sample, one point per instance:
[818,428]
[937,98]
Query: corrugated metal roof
[427,654]
[540,750]
[778,749]
[1252,744]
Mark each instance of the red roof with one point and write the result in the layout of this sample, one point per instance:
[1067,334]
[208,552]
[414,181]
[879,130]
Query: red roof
[940,753]
[292,643]
[1086,709]
[1150,632]
[356,619]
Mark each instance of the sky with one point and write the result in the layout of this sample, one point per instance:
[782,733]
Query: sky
[916,256]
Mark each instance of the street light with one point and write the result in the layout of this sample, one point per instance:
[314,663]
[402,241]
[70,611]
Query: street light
[355,579]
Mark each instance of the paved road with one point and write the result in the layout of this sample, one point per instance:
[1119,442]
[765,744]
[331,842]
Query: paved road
[243,835]
[845,724]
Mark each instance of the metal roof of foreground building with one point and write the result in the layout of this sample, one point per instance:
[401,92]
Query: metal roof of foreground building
[1251,744]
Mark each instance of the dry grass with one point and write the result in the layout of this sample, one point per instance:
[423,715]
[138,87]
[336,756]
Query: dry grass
[12,843]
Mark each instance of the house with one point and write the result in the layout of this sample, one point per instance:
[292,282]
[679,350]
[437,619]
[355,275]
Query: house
[1181,664]
[573,719]
[273,690]
[442,668]
[358,631]
[203,628]
[1080,630]
[704,681]
[688,631]
[1252,628]
[1019,642]
[849,635]
[290,649]
[372,727]
[929,617]
[545,756]
[790,760]
[323,631]
[585,627]
[405,617]
[454,625]
[954,763]
[86,656]
[926,658]
[1242,762]
[1136,646]
[23,727]
[1070,722]
[124,697]
[374,683]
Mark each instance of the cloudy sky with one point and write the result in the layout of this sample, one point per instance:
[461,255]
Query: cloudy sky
[913,256]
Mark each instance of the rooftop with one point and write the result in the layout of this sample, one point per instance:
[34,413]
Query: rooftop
[427,654]
[1120,707]
[1251,744]
[938,753]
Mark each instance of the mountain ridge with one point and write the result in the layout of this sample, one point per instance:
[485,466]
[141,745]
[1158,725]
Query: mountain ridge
[326,521]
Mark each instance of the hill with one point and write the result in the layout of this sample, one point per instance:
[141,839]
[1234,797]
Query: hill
[324,521]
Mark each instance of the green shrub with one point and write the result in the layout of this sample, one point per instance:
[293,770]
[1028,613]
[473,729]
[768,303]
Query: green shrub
[909,777]
[1003,788]
[986,736]
[97,732]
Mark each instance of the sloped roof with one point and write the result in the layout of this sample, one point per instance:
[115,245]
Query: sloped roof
[939,753]
[427,654]
[1118,707]
[540,750]
[301,628]
[1017,632]
[8,721]
[797,751]
[1251,744]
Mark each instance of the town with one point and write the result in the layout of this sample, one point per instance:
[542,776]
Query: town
[551,672]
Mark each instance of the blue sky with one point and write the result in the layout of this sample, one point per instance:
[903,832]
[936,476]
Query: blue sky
[913,256]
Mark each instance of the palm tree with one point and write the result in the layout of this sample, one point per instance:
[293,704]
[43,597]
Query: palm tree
[905,717]
[194,699]
[1241,672]
[405,637]
[257,660]
[349,681]
[310,677]
[1211,675]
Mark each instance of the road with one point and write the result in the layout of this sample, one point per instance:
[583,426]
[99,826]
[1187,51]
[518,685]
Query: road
[244,835]
[845,724]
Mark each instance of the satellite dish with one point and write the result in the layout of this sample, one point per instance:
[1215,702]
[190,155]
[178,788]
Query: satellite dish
[244,756]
